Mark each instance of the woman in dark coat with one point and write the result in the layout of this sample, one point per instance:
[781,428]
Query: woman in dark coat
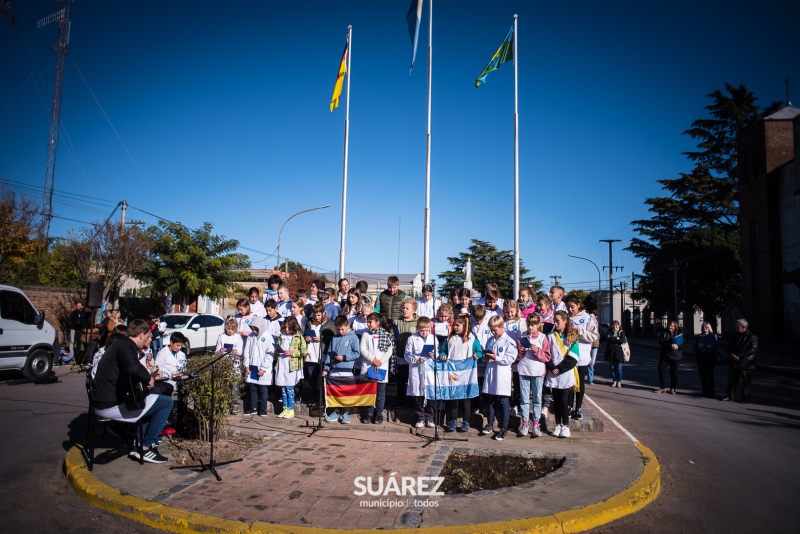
[670,341]
[614,353]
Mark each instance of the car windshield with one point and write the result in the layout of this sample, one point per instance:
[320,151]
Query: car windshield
[176,321]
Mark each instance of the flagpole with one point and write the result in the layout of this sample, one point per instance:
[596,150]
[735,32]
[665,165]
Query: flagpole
[516,165]
[427,252]
[346,147]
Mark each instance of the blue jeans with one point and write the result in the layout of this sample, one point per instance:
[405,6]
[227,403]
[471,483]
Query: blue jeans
[501,402]
[590,370]
[157,345]
[530,385]
[258,397]
[157,417]
[380,401]
[616,371]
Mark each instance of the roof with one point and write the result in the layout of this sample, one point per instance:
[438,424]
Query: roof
[261,274]
[378,278]
[787,113]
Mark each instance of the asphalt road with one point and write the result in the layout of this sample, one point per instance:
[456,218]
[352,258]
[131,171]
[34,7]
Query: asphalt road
[725,467]
[37,424]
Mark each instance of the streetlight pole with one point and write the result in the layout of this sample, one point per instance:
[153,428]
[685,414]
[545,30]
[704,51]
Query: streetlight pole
[284,225]
[598,273]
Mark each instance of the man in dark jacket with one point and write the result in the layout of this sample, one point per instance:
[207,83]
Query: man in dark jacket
[742,360]
[118,372]
[75,321]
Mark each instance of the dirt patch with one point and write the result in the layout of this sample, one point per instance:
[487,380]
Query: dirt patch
[193,451]
[466,473]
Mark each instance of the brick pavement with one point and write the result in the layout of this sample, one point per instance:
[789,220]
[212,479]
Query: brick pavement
[300,477]
[306,478]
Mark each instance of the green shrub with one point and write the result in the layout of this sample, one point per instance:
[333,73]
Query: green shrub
[198,391]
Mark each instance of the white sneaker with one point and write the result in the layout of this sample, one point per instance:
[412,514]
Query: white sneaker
[430,424]
[557,431]
[565,431]
[419,424]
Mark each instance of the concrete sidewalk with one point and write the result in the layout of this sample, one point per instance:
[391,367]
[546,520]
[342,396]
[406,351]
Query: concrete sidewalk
[299,478]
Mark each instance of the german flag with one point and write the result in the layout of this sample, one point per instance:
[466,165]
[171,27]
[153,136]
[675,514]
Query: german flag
[348,391]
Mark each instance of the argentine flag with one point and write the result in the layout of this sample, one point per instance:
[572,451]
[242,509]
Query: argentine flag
[454,379]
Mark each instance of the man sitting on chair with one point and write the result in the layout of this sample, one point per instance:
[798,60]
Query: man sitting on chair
[117,372]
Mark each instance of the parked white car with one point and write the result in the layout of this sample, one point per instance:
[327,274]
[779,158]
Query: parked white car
[26,339]
[200,329]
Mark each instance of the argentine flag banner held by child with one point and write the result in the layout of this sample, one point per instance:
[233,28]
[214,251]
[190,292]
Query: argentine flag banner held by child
[455,379]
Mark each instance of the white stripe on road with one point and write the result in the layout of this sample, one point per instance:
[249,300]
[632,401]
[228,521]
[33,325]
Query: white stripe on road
[602,411]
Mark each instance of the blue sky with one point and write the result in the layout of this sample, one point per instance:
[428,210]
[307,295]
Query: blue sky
[201,111]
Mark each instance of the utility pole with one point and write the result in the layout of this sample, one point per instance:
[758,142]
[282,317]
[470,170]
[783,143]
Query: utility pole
[555,278]
[610,275]
[124,207]
[633,303]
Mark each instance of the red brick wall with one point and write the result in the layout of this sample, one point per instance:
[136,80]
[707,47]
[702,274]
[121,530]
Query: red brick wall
[56,303]
[763,150]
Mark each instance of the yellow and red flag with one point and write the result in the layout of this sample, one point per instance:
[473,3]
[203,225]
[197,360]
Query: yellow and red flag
[337,88]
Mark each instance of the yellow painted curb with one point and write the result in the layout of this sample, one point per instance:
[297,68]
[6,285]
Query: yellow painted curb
[634,498]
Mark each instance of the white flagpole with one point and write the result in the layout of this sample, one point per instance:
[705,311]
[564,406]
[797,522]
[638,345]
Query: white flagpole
[516,166]
[427,252]
[346,146]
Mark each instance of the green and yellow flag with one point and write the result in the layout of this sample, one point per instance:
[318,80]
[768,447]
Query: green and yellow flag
[503,54]
[337,88]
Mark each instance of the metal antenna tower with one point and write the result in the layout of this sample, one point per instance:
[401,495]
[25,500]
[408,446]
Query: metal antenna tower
[62,17]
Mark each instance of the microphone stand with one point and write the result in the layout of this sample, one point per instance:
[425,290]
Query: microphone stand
[322,404]
[436,436]
[212,464]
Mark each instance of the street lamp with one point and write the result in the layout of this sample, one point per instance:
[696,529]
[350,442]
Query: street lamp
[284,225]
[598,274]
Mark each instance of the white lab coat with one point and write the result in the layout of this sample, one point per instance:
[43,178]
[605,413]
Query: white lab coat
[416,370]
[370,351]
[497,380]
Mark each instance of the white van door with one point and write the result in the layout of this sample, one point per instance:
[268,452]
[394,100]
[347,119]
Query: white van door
[18,330]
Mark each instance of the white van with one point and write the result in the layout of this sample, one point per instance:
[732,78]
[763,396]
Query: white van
[26,339]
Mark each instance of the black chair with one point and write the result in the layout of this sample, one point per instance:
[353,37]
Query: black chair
[137,442]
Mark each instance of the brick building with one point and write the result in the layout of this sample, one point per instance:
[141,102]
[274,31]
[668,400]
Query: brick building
[769,224]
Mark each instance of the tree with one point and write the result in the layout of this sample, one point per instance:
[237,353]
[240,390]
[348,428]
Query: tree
[697,224]
[489,265]
[108,252]
[58,267]
[20,239]
[288,266]
[187,263]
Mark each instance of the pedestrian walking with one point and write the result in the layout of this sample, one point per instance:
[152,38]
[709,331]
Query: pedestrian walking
[670,340]
[741,361]
[705,350]
[614,353]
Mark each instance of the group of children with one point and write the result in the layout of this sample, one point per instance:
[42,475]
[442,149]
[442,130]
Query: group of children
[526,347]
[528,351]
